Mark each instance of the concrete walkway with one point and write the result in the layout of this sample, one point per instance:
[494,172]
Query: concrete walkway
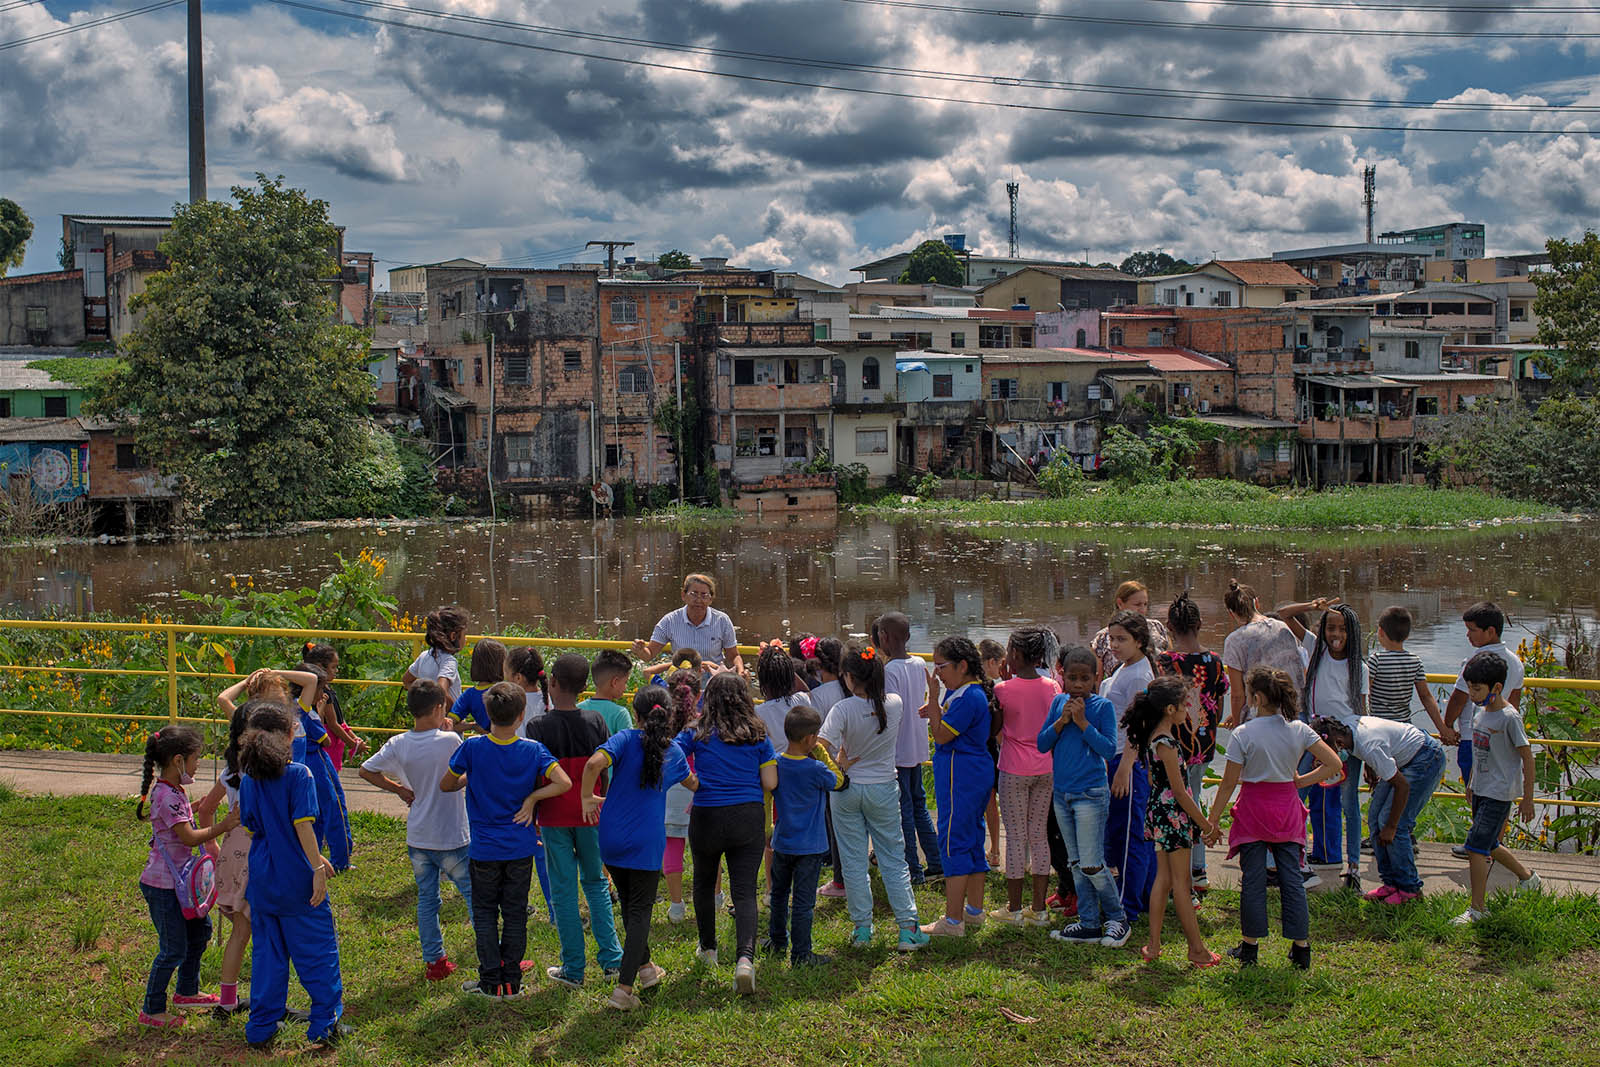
[74,773]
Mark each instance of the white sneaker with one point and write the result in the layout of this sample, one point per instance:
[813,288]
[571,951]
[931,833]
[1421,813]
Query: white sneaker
[677,912]
[1467,918]
[1309,878]
[1530,884]
[707,956]
[1008,917]
[744,977]
[1036,918]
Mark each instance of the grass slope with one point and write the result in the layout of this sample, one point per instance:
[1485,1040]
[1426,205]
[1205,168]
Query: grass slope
[1389,987]
[1221,503]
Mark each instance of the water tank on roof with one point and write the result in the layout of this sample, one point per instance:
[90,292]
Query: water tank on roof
[956,241]
[1021,305]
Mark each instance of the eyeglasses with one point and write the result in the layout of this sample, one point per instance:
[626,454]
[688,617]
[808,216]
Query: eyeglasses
[698,594]
[939,666]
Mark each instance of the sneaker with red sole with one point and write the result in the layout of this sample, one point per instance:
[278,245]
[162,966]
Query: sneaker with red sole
[1400,896]
[833,891]
[171,1022]
[1067,906]
[202,1001]
[439,969]
[1383,892]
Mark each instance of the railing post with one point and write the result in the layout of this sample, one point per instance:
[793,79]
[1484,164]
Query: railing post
[172,673]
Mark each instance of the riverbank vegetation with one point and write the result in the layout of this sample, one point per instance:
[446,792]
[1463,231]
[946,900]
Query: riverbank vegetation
[1550,453]
[1235,505]
[1388,985]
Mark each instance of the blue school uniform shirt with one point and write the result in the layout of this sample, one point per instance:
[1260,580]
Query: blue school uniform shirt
[500,774]
[633,827]
[799,805]
[1078,756]
[966,714]
[270,810]
[307,726]
[729,774]
[469,705]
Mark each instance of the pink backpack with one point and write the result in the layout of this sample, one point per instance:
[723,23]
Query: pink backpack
[195,882]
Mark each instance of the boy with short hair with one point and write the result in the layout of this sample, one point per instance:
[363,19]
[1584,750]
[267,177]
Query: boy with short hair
[571,843]
[1485,622]
[799,835]
[610,673]
[906,676]
[498,770]
[1502,767]
[411,765]
[1393,674]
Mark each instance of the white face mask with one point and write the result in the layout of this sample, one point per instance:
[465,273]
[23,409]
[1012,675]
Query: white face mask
[185,778]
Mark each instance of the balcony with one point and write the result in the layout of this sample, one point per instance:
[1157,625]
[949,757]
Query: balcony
[755,334]
[802,397]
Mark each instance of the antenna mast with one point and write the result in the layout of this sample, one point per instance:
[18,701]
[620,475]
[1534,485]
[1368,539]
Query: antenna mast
[1011,191]
[1369,183]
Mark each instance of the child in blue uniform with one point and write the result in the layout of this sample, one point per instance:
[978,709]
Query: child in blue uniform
[799,833]
[290,919]
[644,762]
[963,778]
[505,777]
[332,825]
[488,667]
[277,686]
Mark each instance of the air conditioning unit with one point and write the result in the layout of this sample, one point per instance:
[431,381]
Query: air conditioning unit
[1108,404]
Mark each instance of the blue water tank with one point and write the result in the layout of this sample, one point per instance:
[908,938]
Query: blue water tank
[956,241]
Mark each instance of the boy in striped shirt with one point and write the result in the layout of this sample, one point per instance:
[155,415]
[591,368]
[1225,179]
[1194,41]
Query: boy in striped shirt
[1393,674]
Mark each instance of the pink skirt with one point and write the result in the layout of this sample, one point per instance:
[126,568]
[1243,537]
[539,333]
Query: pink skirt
[233,871]
[1267,811]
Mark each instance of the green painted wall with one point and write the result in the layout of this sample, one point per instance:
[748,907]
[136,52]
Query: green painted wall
[29,403]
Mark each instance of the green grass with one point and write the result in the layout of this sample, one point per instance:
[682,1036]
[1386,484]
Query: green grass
[1220,503]
[1389,987]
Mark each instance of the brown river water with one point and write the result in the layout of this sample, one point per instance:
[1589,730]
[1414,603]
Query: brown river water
[621,575]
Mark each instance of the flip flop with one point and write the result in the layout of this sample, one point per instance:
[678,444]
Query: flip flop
[1144,954]
[1203,964]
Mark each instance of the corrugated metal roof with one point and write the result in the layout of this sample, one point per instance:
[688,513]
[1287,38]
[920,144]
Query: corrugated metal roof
[1245,422]
[1170,358]
[773,352]
[1446,377]
[1043,355]
[1353,381]
[42,430]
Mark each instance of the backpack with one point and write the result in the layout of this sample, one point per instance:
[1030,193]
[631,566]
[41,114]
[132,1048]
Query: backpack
[195,883]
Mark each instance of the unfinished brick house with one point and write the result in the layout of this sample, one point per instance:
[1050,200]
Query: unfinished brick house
[648,359]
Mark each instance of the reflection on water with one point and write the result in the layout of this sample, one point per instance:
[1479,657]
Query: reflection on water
[571,575]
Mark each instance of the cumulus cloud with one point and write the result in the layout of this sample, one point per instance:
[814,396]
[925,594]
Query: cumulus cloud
[310,124]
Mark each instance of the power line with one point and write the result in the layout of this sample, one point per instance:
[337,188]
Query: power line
[104,20]
[969,79]
[1360,5]
[1226,27]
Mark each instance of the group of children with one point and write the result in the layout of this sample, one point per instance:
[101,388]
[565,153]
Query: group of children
[1093,755]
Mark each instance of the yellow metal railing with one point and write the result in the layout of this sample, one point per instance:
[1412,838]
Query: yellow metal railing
[173,675]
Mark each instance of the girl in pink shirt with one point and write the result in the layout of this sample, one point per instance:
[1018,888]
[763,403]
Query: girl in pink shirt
[1025,772]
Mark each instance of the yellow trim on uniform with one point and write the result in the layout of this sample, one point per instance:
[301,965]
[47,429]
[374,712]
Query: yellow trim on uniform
[513,739]
[769,763]
[785,755]
[598,752]
[305,818]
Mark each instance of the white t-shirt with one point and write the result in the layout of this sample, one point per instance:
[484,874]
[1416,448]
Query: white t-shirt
[852,726]
[435,666]
[773,712]
[1330,689]
[1514,679]
[1385,745]
[1128,682]
[532,708]
[825,696]
[1269,748]
[417,760]
[908,679]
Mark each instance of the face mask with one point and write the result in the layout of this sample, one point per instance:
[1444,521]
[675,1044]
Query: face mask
[185,778]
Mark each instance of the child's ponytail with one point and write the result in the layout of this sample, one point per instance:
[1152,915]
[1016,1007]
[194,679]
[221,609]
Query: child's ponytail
[1274,685]
[236,729]
[161,748]
[1149,708]
[268,742]
[652,708]
[684,685]
[865,667]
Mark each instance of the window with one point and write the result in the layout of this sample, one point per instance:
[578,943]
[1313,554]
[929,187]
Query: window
[791,372]
[944,386]
[869,373]
[864,335]
[1116,336]
[5,407]
[1083,338]
[571,359]
[873,442]
[1427,405]
[994,336]
[745,443]
[1224,299]
[1153,338]
[519,369]
[1003,389]
[744,372]
[633,380]
[1169,296]
[766,442]
[967,369]
[519,455]
[1024,336]
[1266,452]
[1382,347]
[555,294]
[613,455]
[55,407]
[1059,391]
[820,331]
[624,310]
[672,305]
[794,442]
[1413,349]
[128,458]
[477,370]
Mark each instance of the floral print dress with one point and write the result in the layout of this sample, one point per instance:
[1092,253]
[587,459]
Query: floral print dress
[1165,821]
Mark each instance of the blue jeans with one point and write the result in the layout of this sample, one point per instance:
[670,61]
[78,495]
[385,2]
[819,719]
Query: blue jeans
[916,826]
[860,811]
[181,945]
[1082,819]
[427,864]
[1335,814]
[572,854]
[1397,862]
[796,873]
[1195,775]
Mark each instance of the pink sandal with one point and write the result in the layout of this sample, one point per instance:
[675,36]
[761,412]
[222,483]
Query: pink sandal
[1146,955]
[1201,965]
[156,1024]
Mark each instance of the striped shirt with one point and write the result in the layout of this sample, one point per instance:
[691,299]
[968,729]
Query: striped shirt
[1393,675]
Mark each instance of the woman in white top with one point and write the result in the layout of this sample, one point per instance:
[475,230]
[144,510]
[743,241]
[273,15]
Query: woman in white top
[860,734]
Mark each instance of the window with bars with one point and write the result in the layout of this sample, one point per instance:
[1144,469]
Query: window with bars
[624,310]
[571,359]
[633,380]
[519,369]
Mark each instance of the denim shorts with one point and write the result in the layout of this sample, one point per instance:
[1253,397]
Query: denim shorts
[1488,816]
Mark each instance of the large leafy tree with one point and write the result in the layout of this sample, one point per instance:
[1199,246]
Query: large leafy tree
[15,230]
[1568,306]
[242,380]
[674,259]
[933,261]
[1153,263]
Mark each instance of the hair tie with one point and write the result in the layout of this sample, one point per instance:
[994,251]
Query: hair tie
[868,653]
[808,646]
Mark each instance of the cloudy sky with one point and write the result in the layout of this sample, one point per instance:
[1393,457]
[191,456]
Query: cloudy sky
[512,146]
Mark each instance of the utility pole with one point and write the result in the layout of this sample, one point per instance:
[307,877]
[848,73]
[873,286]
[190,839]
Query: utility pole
[610,246]
[197,109]
[1011,191]
[1369,185]
[677,376]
